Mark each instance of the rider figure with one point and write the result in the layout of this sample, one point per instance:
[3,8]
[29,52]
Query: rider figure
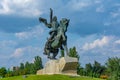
[53,25]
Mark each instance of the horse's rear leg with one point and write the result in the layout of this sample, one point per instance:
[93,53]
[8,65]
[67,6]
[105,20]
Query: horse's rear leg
[55,54]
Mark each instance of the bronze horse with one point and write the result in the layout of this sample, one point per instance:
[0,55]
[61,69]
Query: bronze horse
[59,41]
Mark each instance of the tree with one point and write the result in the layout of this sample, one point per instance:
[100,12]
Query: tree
[27,67]
[88,69]
[73,53]
[31,68]
[94,70]
[9,73]
[81,71]
[38,63]
[113,68]
[98,69]
[3,71]
[22,69]
[21,66]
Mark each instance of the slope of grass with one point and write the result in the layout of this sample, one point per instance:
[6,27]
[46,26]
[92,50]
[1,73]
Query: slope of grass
[49,77]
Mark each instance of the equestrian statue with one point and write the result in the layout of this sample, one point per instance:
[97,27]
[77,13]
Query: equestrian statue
[58,38]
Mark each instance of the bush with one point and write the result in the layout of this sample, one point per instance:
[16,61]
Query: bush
[8,75]
[3,71]
[104,77]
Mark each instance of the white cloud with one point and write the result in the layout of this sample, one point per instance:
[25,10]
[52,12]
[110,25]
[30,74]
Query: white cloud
[33,33]
[18,52]
[100,9]
[97,43]
[117,41]
[115,14]
[7,47]
[7,43]
[85,4]
[21,55]
[22,35]
[98,1]
[20,7]
[97,48]
[26,52]
[79,5]
[4,7]
[37,7]
[107,23]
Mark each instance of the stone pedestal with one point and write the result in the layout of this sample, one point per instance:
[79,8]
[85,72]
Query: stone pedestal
[65,65]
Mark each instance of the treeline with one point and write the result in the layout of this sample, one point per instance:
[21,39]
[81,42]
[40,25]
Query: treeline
[93,70]
[23,69]
[109,71]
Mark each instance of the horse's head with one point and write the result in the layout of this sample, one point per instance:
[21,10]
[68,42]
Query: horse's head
[65,23]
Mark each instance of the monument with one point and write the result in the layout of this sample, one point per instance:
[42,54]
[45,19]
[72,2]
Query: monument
[57,41]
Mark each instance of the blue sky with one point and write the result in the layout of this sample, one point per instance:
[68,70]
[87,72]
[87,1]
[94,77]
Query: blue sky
[94,29]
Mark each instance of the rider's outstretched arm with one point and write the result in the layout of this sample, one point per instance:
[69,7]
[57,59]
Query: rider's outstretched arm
[43,20]
[51,15]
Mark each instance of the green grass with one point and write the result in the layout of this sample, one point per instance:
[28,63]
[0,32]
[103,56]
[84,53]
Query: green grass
[49,77]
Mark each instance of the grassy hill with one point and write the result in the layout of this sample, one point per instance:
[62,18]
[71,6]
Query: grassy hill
[49,77]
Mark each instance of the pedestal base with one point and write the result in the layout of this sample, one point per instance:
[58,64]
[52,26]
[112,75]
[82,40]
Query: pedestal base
[65,65]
